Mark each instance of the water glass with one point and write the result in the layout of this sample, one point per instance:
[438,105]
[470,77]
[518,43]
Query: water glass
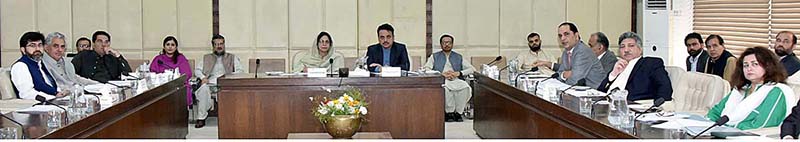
[677,134]
[586,106]
[54,118]
[9,133]
[92,105]
[627,120]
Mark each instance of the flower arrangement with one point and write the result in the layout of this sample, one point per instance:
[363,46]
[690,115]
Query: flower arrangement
[351,102]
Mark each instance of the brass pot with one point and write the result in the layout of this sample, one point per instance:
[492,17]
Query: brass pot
[343,126]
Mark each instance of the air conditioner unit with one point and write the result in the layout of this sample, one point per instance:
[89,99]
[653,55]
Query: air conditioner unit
[655,28]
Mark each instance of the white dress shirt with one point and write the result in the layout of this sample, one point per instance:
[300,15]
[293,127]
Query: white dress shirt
[21,77]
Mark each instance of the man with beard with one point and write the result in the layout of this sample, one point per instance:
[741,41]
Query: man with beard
[102,63]
[599,44]
[214,65]
[784,45]
[643,77]
[722,62]
[453,67]
[387,52]
[29,75]
[698,58]
[528,60]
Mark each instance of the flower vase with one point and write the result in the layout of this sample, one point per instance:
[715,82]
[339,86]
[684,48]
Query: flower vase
[343,126]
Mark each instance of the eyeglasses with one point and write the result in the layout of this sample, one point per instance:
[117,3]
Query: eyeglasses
[34,45]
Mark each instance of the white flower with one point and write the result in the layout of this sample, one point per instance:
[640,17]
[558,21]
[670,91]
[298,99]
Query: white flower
[323,110]
[339,107]
[311,98]
[363,110]
[330,103]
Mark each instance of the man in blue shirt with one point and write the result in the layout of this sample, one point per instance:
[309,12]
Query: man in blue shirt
[387,52]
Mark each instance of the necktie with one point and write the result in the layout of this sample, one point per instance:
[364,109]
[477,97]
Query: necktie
[569,58]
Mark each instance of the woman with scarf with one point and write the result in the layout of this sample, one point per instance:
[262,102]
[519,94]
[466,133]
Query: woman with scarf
[319,55]
[760,98]
[171,58]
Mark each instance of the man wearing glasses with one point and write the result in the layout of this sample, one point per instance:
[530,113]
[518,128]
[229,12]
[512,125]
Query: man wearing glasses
[83,44]
[29,75]
[102,63]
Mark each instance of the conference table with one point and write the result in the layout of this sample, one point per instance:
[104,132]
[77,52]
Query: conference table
[503,111]
[275,106]
[159,112]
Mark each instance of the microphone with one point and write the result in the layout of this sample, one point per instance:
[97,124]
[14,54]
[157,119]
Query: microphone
[721,121]
[45,102]
[658,102]
[536,86]
[330,66]
[16,122]
[258,62]
[581,82]
[495,60]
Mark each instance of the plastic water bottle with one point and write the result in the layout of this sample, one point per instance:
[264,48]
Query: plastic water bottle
[77,91]
[618,108]
[512,72]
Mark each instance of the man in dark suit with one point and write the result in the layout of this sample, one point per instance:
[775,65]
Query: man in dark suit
[791,125]
[102,63]
[643,77]
[784,45]
[599,44]
[698,57]
[387,52]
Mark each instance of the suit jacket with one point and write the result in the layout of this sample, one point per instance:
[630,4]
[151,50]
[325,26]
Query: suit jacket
[584,66]
[608,60]
[791,124]
[86,66]
[398,56]
[648,80]
[791,63]
[702,65]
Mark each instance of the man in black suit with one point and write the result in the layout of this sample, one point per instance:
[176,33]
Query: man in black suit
[387,52]
[791,125]
[102,63]
[643,77]
[698,57]
[784,45]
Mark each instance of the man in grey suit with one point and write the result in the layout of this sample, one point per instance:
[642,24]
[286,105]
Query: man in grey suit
[599,44]
[577,61]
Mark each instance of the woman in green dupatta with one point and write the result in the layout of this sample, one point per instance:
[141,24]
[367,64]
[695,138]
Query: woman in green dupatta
[760,98]
[319,55]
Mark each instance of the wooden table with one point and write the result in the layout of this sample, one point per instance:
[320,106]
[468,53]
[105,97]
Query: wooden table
[273,107]
[502,111]
[157,113]
[359,135]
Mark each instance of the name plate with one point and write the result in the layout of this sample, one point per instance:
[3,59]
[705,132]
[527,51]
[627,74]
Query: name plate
[317,72]
[390,71]
[358,73]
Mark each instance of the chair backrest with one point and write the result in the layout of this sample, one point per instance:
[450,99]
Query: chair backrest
[349,62]
[697,92]
[416,62]
[267,65]
[675,74]
[6,88]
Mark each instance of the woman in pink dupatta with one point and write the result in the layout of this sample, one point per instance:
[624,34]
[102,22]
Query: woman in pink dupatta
[171,58]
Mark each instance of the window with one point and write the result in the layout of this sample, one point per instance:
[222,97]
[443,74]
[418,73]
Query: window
[746,23]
